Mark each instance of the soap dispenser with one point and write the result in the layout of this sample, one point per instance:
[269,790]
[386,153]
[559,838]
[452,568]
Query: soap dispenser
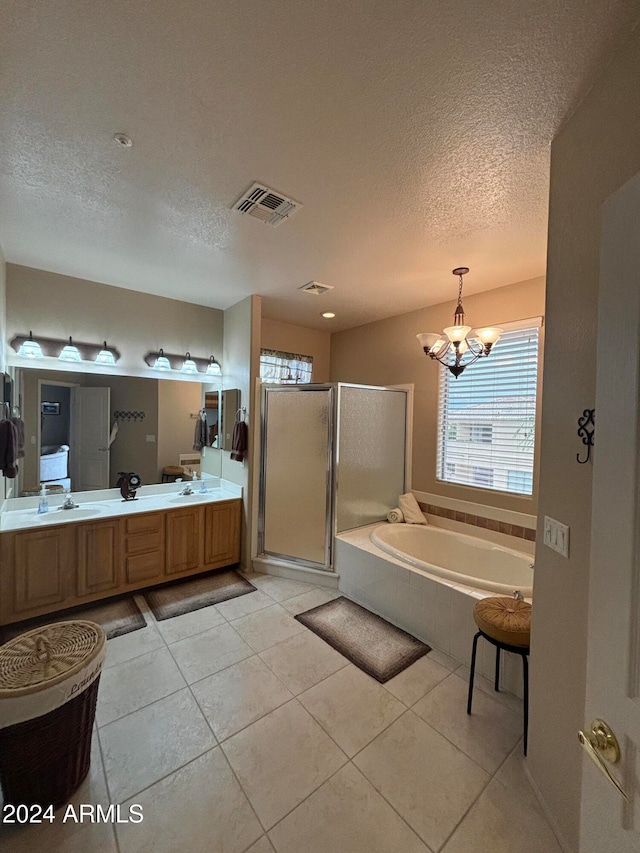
[43,505]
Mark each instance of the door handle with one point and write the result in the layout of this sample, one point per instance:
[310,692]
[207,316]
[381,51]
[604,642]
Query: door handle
[102,449]
[601,745]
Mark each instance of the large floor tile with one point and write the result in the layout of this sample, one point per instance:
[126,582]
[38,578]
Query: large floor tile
[345,815]
[199,808]
[303,661]
[351,707]
[281,759]
[239,695]
[281,588]
[487,735]
[132,645]
[136,683]
[416,680]
[313,598]
[424,777]
[262,845]
[501,822]
[209,652]
[244,604]
[71,836]
[267,627]
[487,686]
[445,660]
[140,749]
[188,624]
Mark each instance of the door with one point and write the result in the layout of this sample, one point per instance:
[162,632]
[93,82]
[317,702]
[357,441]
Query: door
[222,533]
[609,824]
[90,425]
[44,566]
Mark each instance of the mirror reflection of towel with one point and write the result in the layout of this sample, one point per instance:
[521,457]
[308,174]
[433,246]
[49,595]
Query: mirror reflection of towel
[114,432]
[200,435]
[19,425]
[8,449]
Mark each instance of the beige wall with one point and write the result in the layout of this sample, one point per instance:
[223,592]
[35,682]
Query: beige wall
[299,339]
[58,306]
[387,353]
[596,151]
[177,401]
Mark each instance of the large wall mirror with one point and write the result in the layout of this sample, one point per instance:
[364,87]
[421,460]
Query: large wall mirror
[82,429]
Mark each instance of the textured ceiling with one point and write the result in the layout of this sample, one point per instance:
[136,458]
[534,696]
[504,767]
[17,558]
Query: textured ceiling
[415,133]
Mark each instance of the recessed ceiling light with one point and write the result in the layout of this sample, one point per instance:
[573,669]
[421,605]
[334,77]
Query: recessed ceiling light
[329,315]
[122,140]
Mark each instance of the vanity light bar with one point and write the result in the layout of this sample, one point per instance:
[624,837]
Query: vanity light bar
[183,363]
[26,346]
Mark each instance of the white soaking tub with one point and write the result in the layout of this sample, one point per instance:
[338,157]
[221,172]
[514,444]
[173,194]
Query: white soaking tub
[457,557]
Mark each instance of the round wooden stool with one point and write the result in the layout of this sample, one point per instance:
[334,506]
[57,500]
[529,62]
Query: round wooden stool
[171,473]
[506,624]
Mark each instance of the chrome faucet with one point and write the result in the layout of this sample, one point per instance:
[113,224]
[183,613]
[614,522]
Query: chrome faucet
[68,503]
[187,490]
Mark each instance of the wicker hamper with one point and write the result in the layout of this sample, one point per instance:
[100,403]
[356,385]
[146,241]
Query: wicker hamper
[48,690]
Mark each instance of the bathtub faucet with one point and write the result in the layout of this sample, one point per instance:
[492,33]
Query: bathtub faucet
[518,595]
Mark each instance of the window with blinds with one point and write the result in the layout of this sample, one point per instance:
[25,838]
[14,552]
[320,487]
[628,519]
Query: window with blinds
[486,417]
[287,368]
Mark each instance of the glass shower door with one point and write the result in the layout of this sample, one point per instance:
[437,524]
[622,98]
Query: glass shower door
[297,474]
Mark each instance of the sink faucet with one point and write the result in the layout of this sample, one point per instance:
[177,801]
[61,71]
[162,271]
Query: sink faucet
[187,490]
[69,503]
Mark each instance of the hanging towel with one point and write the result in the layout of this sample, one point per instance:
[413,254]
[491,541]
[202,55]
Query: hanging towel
[19,425]
[410,509]
[113,433]
[395,516]
[239,441]
[8,449]
[200,435]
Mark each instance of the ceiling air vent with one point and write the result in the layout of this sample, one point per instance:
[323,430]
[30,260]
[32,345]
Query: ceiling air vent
[316,287]
[268,205]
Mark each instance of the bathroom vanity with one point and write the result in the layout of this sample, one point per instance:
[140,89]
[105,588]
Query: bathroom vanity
[108,547]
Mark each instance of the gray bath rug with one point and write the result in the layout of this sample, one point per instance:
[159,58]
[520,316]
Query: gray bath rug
[370,642]
[185,596]
[117,616]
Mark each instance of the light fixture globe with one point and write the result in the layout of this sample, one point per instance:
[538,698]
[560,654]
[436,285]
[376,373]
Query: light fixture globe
[162,362]
[189,367]
[70,352]
[456,341]
[213,368]
[105,356]
[30,348]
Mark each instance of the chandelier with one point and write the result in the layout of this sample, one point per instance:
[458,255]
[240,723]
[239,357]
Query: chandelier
[455,347]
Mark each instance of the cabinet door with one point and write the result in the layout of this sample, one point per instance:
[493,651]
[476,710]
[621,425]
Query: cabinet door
[222,533]
[183,540]
[43,567]
[98,557]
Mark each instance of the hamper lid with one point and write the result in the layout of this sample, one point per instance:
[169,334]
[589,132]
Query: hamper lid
[47,656]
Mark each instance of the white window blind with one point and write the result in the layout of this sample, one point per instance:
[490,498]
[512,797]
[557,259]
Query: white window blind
[486,417]
[287,368]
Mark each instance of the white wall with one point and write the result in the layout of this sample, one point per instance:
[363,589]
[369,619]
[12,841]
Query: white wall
[299,339]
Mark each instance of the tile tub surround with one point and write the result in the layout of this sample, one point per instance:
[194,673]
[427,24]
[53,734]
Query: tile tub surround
[504,527]
[435,610]
[294,750]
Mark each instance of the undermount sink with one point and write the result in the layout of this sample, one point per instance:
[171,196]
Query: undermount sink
[196,496]
[68,514]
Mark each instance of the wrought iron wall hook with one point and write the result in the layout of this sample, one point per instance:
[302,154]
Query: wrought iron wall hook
[586,431]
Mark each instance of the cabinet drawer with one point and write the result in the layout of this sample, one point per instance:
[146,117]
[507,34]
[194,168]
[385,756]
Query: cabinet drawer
[141,543]
[144,567]
[149,523]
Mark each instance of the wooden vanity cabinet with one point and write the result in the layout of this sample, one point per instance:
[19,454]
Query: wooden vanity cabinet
[52,568]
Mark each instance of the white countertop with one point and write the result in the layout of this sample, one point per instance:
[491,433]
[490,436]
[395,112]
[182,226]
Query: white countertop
[22,513]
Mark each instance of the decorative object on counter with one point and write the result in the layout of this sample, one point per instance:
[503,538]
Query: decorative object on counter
[64,350]
[128,483]
[187,365]
[129,416]
[183,597]
[49,681]
[587,431]
[240,438]
[412,514]
[395,516]
[370,642]
[116,617]
[450,347]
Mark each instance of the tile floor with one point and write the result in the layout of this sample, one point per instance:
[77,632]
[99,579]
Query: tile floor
[239,731]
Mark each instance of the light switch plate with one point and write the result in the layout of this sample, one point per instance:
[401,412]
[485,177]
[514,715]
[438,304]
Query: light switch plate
[151,439]
[556,536]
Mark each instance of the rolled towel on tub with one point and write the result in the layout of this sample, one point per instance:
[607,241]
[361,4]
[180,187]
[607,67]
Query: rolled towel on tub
[395,516]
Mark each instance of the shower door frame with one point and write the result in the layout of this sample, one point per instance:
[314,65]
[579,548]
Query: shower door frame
[331,387]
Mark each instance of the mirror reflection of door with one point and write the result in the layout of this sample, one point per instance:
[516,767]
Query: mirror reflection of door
[90,429]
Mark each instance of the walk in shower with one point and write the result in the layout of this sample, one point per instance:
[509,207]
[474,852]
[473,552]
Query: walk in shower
[334,457]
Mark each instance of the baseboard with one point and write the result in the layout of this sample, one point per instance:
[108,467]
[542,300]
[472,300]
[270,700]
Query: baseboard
[562,841]
[283,569]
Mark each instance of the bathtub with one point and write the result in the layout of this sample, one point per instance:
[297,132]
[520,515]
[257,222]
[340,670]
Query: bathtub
[457,557]
[54,463]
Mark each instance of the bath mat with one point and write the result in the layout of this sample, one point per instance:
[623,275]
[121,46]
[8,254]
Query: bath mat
[185,596]
[117,617]
[374,645]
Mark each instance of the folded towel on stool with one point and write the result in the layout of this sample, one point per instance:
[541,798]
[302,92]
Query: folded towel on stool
[395,516]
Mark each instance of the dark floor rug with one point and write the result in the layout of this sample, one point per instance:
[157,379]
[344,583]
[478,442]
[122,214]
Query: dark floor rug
[117,616]
[371,643]
[185,596]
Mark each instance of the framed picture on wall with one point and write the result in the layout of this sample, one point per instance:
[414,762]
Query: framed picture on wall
[50,408]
